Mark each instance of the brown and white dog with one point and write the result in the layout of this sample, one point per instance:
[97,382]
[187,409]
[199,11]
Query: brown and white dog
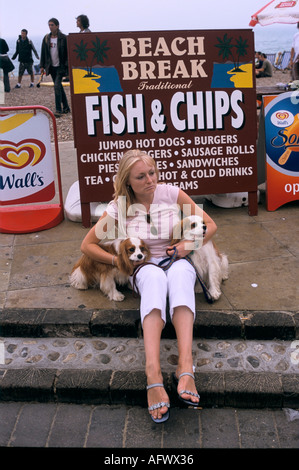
[211,265]
[90,273]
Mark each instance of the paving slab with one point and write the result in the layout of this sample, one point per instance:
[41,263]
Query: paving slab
[125,431]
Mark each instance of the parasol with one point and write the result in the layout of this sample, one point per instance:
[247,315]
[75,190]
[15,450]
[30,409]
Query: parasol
[277,11]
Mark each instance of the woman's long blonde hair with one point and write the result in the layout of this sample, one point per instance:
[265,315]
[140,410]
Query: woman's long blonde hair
[121,186]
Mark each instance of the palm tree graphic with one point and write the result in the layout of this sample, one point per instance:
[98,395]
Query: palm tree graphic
[98,53]
[227,49]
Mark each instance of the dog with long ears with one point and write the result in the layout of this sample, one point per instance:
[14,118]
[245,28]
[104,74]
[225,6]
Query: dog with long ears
[90,273]
[211,265]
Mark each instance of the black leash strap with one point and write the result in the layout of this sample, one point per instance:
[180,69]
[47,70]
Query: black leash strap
[206,291]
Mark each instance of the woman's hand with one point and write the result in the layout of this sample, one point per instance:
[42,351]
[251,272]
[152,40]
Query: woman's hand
[183,248]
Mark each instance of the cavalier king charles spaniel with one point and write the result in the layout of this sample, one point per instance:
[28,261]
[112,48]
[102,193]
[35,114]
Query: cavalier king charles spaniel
[211,265]
[90,273]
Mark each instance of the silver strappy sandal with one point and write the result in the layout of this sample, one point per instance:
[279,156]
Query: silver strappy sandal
[158,405]
[184,400]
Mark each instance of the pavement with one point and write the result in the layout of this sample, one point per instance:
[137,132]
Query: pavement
[73,360]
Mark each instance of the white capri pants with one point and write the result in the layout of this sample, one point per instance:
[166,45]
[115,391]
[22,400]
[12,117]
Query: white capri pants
[155,285]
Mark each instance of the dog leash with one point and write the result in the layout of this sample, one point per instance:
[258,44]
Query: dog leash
[173,258]
[206,291]
[170,260]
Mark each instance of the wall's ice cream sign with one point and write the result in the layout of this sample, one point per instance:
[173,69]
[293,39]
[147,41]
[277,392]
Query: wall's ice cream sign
[282,147]
[27,173]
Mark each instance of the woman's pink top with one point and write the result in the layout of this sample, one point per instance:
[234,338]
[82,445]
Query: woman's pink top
[164,214]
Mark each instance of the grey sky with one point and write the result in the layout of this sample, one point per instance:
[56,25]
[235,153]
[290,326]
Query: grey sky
[126,15]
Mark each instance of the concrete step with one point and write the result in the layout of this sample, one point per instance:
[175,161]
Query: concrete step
[229,373]
[244,358]
[126,323]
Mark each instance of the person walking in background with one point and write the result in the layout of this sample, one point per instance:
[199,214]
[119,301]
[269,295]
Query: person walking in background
[294,59]
[54,62]
[5,64]
[83,24]
[24,48]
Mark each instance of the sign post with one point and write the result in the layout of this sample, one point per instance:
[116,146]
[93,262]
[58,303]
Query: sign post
[27,170]
[282,147]
[185,97]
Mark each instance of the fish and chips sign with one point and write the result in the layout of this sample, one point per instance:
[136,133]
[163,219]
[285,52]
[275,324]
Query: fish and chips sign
[187,98]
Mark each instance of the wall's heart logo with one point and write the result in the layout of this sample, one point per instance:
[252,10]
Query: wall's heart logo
[17,156]
[282,115]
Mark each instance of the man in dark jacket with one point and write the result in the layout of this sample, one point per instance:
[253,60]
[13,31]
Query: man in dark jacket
[24,48]
[54,62]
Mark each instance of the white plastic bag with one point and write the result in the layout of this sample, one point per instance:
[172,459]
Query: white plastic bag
[291,414]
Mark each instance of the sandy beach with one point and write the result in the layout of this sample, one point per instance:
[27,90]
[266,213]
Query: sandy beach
[44,96]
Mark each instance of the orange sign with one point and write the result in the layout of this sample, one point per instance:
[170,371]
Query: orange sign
[282,147]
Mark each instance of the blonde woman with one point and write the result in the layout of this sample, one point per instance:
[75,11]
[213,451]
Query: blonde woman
[143,207]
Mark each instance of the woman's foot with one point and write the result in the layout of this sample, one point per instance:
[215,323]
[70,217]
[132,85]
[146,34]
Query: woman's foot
[158,402]
[186,387]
